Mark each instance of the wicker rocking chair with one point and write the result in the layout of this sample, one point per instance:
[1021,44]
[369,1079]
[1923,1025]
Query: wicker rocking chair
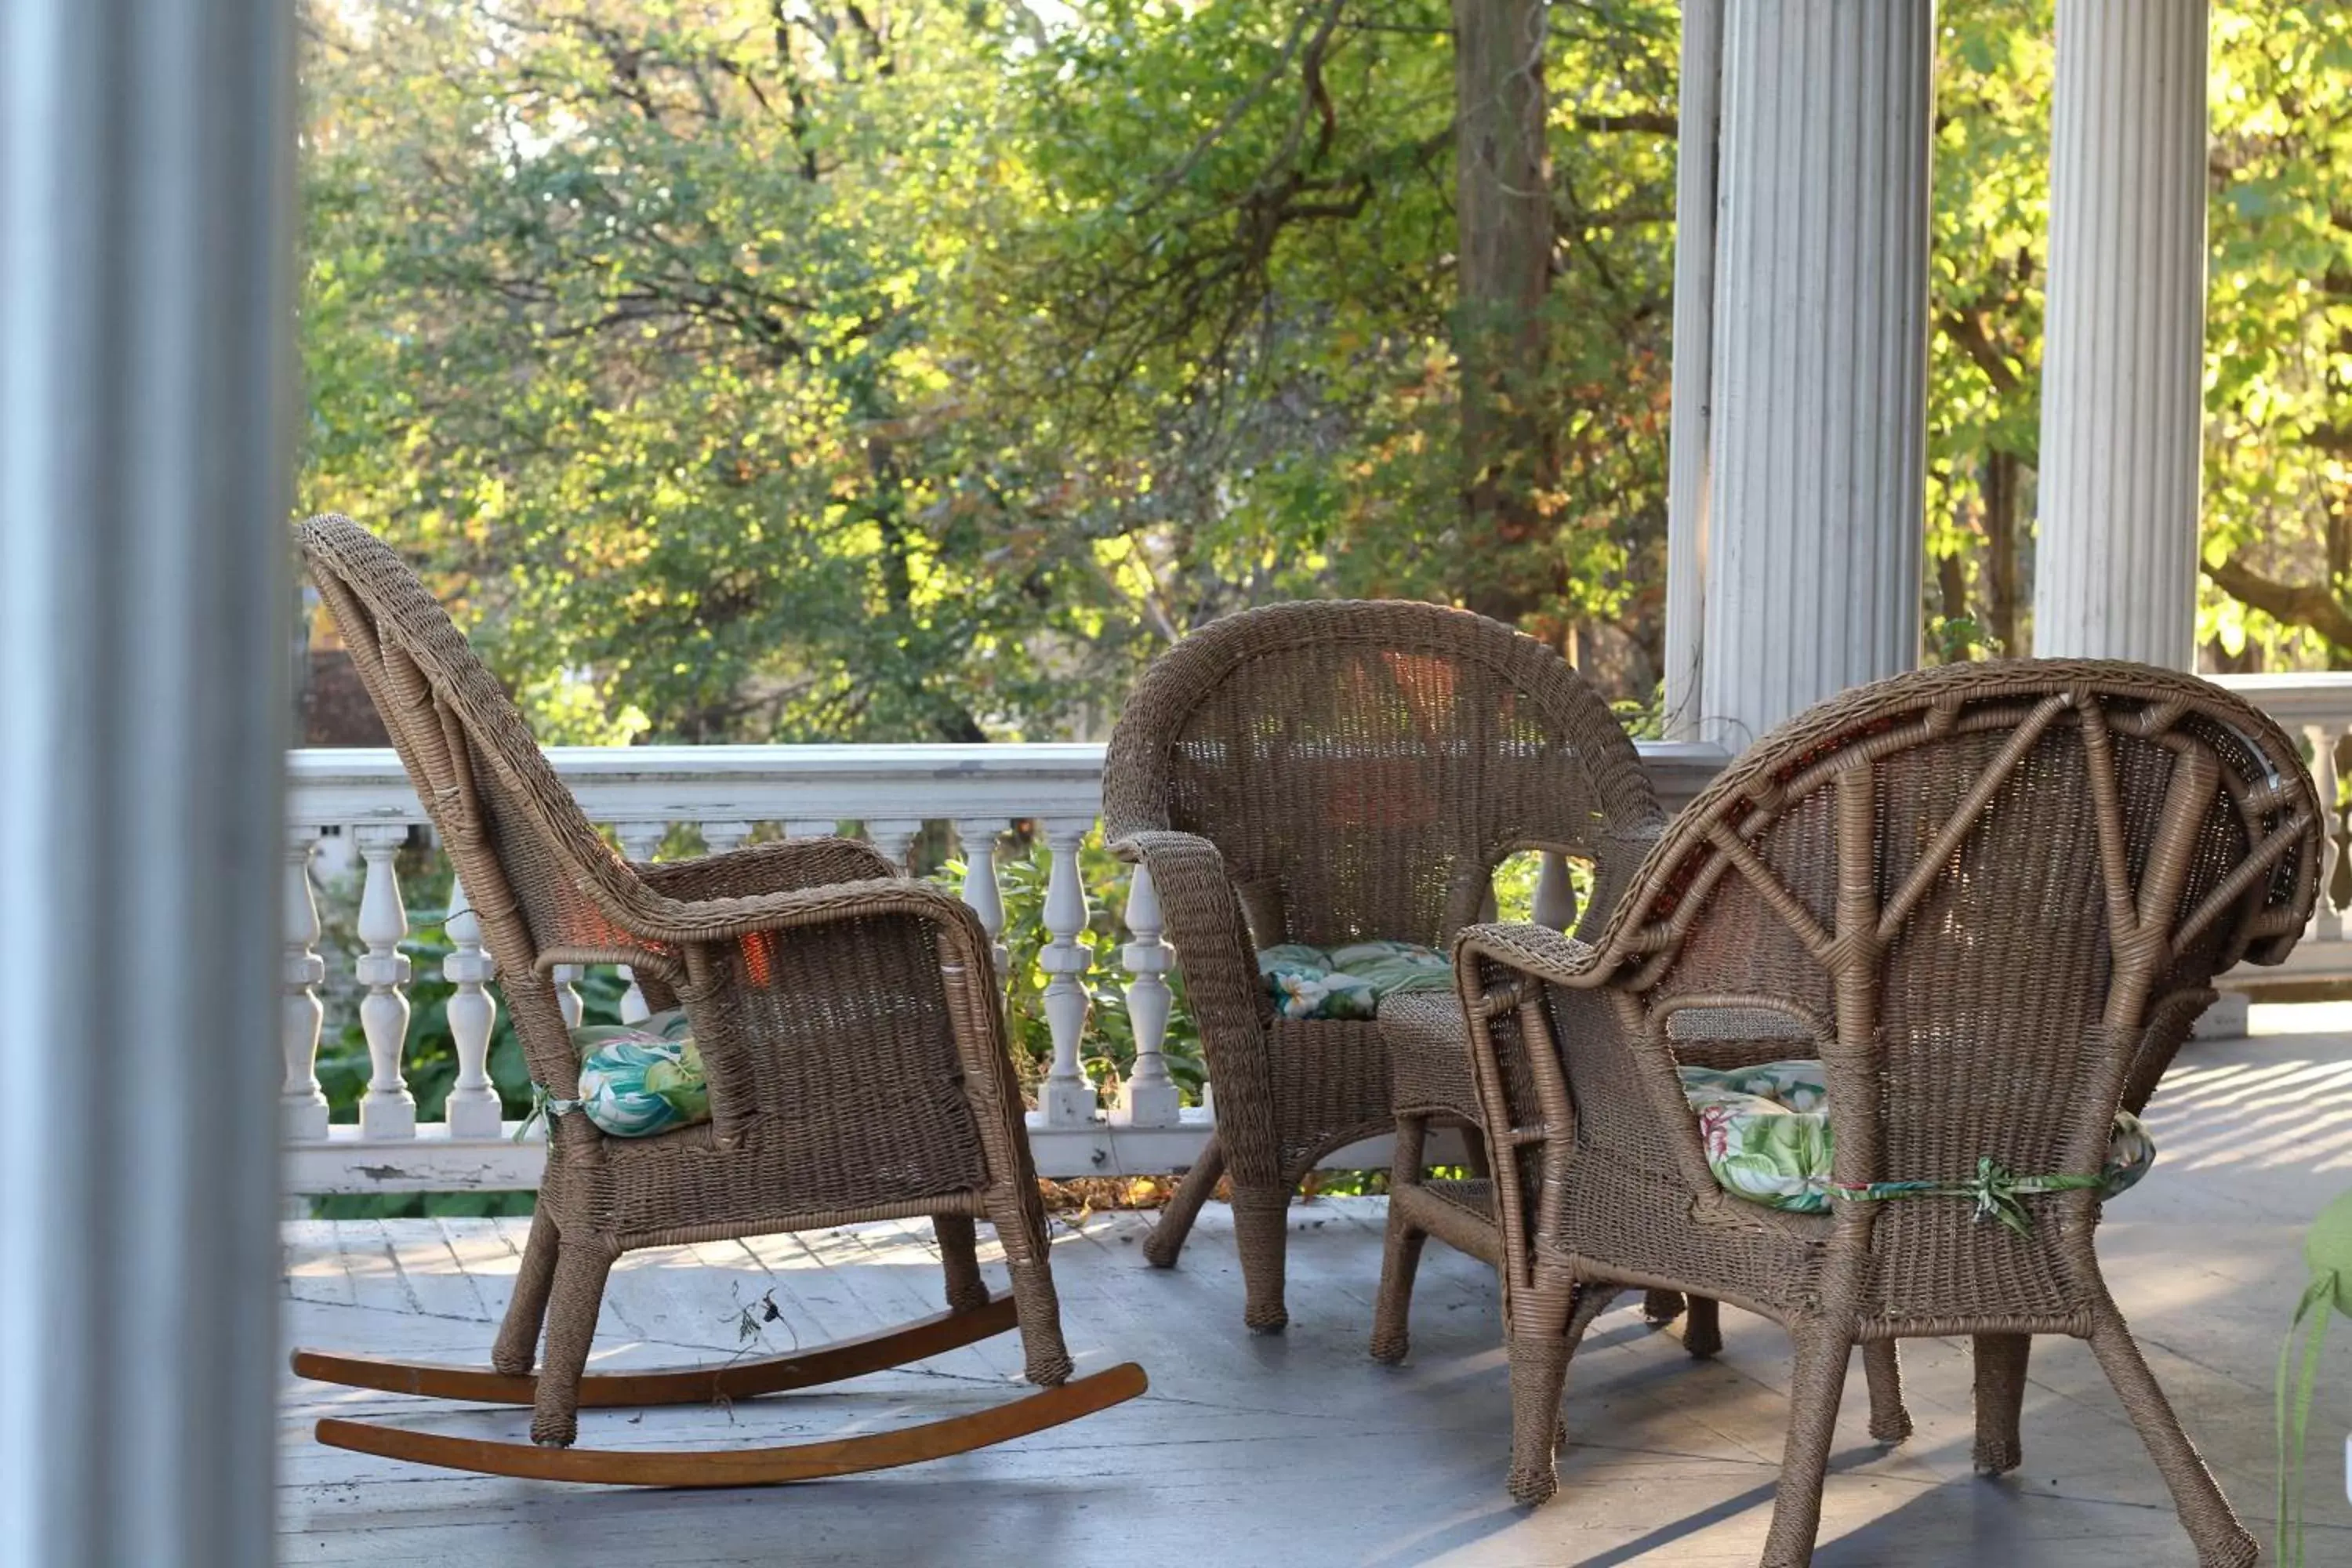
[1334,772]
[853,1041]
[1991,898]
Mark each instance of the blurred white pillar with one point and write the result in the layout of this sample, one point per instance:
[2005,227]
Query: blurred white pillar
[1817,505]
[2123,356]
[146,151]
[1697,118]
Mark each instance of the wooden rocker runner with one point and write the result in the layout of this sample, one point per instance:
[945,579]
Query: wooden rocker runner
[853,1060]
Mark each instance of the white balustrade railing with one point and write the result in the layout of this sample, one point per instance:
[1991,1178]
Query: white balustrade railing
[725,793]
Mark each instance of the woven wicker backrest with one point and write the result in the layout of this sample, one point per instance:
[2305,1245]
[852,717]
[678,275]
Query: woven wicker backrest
[1990,894]
[1363,766]
[538,874]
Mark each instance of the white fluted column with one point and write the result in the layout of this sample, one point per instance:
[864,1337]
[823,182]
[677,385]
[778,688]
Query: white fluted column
[146,415]
[1697,116]
[1819,424]
[2123,356]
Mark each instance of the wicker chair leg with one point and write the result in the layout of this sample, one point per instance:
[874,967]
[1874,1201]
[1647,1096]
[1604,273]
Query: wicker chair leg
[1660,1308]
[959,1240]
[577,1297]
[2000,1398]
[1702,1327]
[1167,1238]
[1262,1234]
[517,1349]
[1392,1309]
[1538,1375]
[1045,1355]
[2205,1513]
[1823,1353]
[1881,1369]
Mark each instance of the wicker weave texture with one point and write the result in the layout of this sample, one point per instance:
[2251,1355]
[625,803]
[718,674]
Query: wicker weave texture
[848,1016]
[1331,771]
[1991,898]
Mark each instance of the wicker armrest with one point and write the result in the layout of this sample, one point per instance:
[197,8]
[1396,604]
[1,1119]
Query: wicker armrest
[753,964]
[774,868]
[681,921]
[1535,951]
[1205,922]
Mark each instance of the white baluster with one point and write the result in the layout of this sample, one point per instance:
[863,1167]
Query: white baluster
[1555,904]
[567,993]
[812,827]
[893,836]
[722,837]
[302,1103]
[640,841]
[1068,1097]
[2326,920]
[387,1110]
[473,1110]
[980,889]
[1150,1097]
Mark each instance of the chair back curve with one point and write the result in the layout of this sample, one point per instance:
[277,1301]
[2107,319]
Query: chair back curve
[1994,895]
[537,873]
[1363,766]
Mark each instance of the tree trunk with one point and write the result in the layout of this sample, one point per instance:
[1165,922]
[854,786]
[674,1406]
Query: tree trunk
[1504,242]
[2002,484]
[1952,585]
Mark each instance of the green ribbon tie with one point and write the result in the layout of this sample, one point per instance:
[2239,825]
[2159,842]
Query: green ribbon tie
[543,1106]
[1997,1194]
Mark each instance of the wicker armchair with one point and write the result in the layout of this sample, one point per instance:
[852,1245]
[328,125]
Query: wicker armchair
[1331,772]
[1992,897]
[846,1017]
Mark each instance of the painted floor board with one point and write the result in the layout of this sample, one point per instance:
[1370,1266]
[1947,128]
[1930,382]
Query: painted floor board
[1296,1451]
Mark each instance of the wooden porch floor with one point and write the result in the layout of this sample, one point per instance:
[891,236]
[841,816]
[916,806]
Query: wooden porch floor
[1296,1450]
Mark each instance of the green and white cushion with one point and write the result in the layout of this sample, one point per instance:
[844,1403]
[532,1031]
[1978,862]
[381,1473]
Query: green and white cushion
[1349,981]
[1766,1131]
[641,1079]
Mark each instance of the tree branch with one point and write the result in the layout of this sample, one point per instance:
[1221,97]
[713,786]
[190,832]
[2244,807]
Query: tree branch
[2303,605]
[1967,328]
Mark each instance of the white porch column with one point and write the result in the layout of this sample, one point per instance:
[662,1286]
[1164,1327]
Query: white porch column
[2123,356]
[1817,505]
[1698,117]
[145,163]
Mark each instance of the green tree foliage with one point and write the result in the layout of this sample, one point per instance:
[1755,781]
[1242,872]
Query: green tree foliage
[2278,377]
[770,371]
[807,369]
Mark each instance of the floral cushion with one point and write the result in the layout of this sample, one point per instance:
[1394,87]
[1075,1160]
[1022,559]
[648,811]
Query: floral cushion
[637,1079]
[1766,1130]
[1349,981]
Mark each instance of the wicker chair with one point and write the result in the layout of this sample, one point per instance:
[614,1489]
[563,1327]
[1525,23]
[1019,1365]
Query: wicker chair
[846,1017]
[1330,773]
[1993,897]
